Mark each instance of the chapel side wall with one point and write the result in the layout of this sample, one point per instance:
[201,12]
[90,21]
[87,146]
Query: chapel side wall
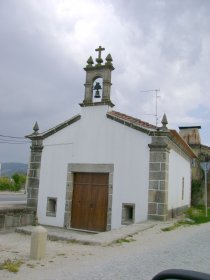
[95,139]
[179,192]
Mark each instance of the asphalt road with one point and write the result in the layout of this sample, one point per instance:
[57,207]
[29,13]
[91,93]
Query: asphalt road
[148,253]
[152,252]
[12,198]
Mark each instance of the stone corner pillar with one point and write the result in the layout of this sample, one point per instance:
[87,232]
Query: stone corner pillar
[33,175]
[158,179]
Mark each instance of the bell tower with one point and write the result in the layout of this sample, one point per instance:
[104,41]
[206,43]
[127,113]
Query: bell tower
[98,81]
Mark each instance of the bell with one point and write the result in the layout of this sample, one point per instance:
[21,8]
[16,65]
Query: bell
[97,94]
[96,88]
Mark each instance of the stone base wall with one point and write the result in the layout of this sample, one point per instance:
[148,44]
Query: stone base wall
[17,217]
[172,213]
[176,212]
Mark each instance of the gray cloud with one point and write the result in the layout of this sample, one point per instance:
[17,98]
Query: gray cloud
[155,44]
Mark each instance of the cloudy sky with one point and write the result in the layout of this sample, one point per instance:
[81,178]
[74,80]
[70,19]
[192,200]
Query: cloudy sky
[155,44]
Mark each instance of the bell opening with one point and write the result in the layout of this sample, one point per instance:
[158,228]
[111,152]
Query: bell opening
[97,90]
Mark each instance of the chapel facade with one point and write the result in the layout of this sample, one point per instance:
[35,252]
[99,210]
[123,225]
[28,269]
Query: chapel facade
[102,169]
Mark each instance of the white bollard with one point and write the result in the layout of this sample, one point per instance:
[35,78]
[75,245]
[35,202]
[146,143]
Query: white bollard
[38,243]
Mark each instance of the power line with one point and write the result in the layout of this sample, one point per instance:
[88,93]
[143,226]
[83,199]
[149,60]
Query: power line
[14,143]
[8,136]
[12,140]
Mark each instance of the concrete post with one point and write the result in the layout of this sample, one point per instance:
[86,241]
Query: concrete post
[38,243]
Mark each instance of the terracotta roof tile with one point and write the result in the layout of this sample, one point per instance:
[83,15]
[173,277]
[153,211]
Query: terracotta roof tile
[131,120]
[183,143]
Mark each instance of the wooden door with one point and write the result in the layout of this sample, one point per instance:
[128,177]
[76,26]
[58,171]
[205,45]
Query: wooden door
[89,202]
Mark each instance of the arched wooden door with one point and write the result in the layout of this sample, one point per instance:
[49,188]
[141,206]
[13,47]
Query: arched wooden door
[89,201]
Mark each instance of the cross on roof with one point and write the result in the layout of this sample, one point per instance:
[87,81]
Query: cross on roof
[99,50]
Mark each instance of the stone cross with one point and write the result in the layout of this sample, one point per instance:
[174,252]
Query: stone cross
[99,50]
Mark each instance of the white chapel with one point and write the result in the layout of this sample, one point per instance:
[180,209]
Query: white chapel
[103,169]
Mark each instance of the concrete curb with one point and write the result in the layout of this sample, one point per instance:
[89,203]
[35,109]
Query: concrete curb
[102,239]
[15,193]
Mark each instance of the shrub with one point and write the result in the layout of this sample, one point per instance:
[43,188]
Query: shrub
[198,214]
[6,183]
[197,192]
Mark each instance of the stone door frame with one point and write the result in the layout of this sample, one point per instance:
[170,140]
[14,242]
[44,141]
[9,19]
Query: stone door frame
[89,168]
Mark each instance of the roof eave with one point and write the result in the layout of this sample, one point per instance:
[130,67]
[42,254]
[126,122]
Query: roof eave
[53,130]
[175,137]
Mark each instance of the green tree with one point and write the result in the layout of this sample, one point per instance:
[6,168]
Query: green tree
[19,180]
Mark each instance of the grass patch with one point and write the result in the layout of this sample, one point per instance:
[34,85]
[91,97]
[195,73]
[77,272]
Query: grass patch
[198,215]
[125,240]
[174,226]
[178,224]
[193,216]
[11,266]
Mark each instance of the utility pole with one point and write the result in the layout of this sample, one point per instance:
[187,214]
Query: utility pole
[206,166]
[156,106]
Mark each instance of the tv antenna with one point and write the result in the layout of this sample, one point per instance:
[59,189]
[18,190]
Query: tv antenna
[156,98]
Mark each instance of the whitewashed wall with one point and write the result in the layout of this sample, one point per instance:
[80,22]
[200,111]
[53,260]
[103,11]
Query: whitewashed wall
[179,168]
[98,140]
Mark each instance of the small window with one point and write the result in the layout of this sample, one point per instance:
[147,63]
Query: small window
[128,213]
[51,206]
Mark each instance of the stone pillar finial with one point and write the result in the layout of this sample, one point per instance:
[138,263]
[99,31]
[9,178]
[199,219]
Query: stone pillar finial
[90,62]
[109,59]
[36,128]
[164,123]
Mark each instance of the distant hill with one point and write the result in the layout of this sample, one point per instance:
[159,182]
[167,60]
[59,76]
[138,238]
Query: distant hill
[9,168]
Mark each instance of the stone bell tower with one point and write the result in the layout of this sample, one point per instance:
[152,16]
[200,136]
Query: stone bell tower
[97,93]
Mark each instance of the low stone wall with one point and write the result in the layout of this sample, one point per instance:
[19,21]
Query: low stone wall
[10,218]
